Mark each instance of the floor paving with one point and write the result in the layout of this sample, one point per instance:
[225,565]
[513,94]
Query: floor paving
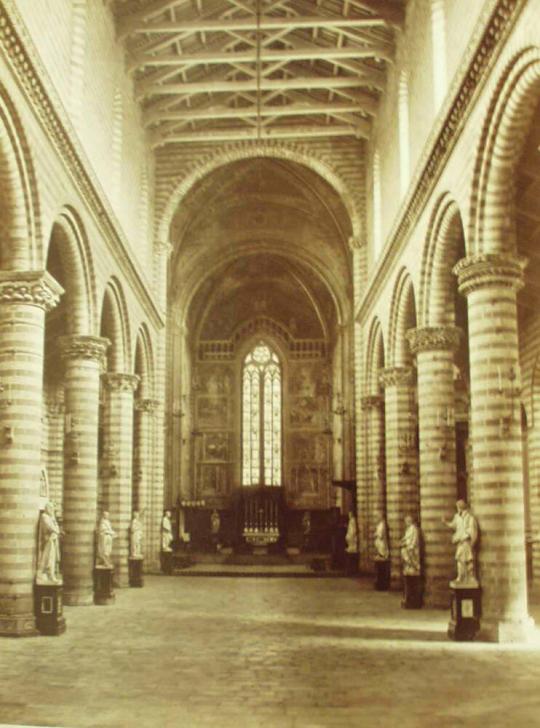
[264,653]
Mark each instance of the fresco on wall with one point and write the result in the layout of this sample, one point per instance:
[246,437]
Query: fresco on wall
[216,446]
[212,412]
[213,480]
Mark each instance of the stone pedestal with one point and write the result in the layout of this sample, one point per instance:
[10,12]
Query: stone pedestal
[166,562]
[412,592]
[48,609]
[464,613]
[382,575]
[136,572]
[103,585]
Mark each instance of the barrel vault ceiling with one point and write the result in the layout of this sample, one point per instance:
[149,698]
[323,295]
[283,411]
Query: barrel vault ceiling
[224,70]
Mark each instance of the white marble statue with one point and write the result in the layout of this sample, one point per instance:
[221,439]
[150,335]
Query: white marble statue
[465,527]
[410,548]
[166,532]
[382,550]
[215,523]
[351,536]
[135,537]
[105,536]
[48,565]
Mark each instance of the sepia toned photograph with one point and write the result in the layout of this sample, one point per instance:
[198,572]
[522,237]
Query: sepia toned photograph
[269,363]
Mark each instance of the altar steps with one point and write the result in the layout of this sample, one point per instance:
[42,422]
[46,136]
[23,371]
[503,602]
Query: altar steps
[248,565]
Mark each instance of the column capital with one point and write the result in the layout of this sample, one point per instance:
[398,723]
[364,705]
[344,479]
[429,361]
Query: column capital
[36,288]
[392,376]
[371,401]
[162,247]
[356,242]
[121,382]
[93,348]
[483,270]
[147,405]
[434,338]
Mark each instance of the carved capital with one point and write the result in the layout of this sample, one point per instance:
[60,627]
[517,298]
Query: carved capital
[93,348]
[147,405]
[371,401]
[434,338]
[393,376]
[355,242]
[120,382]
[35,288]
[493,270]
[162,248]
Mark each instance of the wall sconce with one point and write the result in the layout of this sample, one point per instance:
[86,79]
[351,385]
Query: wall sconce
[407,442]
[9,435]
[404,468]
[73,458]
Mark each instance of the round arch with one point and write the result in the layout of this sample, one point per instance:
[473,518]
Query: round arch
[375,352]
[22,247]
[441,251]
[288,152]
[143,361]
[402,317]
[115,326]
[508,118]
[69,234]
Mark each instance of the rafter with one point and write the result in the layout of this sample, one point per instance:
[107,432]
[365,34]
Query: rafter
[266,23]
[203,87]
[282,132]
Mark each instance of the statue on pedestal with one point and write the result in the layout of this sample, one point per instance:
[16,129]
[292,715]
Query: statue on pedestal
[48,563]
[351,537]
[410,548]
[382,550]
[215,523]
[105,536]
[465,527]
[135,537]
[166,532]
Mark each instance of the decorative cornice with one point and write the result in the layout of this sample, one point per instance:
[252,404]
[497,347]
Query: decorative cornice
[434,338]
[147,405]
[19,52]
[489,270]
[84,347]
[394,376]
[35,288]
[371,401]
[121,382]
[487,40]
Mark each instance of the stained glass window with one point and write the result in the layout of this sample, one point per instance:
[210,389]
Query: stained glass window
[261,417]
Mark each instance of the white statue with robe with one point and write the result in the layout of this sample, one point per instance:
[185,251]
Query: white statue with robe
[135,537]
[410,548]
[105,535]
[382,550]
[351,536]
[465,527]
[48,564]
[166,532]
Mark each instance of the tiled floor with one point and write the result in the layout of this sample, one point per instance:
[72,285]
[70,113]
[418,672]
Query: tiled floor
[269,653]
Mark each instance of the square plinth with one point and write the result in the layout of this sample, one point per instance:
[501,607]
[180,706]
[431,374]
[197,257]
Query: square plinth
[412,592]
[136,572]
[48,607]
[464,613]
[103,585]
[382,575]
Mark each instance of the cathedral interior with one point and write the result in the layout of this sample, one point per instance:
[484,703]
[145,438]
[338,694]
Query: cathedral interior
[269,363]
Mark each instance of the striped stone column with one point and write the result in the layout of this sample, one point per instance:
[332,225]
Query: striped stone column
[145,410]
[118,437]
[434,348]
[373,491]
[84,359]
[24,299]
[490,282]
[401,458]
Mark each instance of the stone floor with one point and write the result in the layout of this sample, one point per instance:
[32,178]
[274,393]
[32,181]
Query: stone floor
[268,653]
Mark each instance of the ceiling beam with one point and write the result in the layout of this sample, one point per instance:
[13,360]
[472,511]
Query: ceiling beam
[392,12]
[126,22]
[360,131]
[251,24]
[204,87]
[376,50]
[224,112]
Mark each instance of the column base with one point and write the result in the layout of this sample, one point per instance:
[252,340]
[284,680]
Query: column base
[103,585]
[465,612]
[18,625]
[166,562]
[382,575]
[412,592]
[78,597]
[49,609]
[507,632]
[136,572]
